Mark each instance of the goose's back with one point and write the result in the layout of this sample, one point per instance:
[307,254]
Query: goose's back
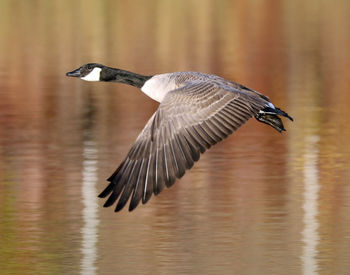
[159,85]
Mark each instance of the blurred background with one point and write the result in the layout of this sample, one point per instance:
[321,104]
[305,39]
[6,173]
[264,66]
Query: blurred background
[260,202]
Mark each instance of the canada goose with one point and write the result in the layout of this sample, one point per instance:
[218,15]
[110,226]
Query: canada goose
[196,111]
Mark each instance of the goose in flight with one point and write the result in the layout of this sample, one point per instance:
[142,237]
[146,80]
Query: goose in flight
[196,111]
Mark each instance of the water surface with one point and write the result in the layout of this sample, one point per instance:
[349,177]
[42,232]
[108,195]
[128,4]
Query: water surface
[260,202]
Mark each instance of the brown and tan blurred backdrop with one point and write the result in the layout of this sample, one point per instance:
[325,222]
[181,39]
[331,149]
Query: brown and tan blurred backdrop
[257,203]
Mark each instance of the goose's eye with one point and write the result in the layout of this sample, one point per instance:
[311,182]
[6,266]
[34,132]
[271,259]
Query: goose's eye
[89,67]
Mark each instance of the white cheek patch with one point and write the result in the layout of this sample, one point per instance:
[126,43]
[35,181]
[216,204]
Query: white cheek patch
[94,75]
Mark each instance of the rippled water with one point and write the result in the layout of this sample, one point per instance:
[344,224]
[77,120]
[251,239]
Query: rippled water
[258,203]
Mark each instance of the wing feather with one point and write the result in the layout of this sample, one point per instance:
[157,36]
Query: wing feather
[149,178]
[188,122]
[139,186]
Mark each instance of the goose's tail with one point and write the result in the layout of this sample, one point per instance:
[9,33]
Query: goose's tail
[269,115]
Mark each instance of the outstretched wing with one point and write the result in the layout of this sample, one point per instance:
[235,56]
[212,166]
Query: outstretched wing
[188,121]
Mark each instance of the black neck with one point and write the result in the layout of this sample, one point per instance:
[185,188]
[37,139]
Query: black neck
[117,75]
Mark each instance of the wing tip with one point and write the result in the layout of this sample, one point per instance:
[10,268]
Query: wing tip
[108,203]
[119,207]
[133,205]
[106,191]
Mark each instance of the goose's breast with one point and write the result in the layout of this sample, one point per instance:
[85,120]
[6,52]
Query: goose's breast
[158,86]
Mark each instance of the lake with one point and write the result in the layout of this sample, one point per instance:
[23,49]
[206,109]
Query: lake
[259,202]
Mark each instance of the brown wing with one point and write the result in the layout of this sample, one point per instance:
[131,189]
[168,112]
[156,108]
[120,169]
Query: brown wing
[188,121]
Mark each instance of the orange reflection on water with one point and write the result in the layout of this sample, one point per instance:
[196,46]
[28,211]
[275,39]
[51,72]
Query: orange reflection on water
[243,208]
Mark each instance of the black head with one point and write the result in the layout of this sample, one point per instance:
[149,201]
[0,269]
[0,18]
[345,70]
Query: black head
[99,72]
[88,72]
